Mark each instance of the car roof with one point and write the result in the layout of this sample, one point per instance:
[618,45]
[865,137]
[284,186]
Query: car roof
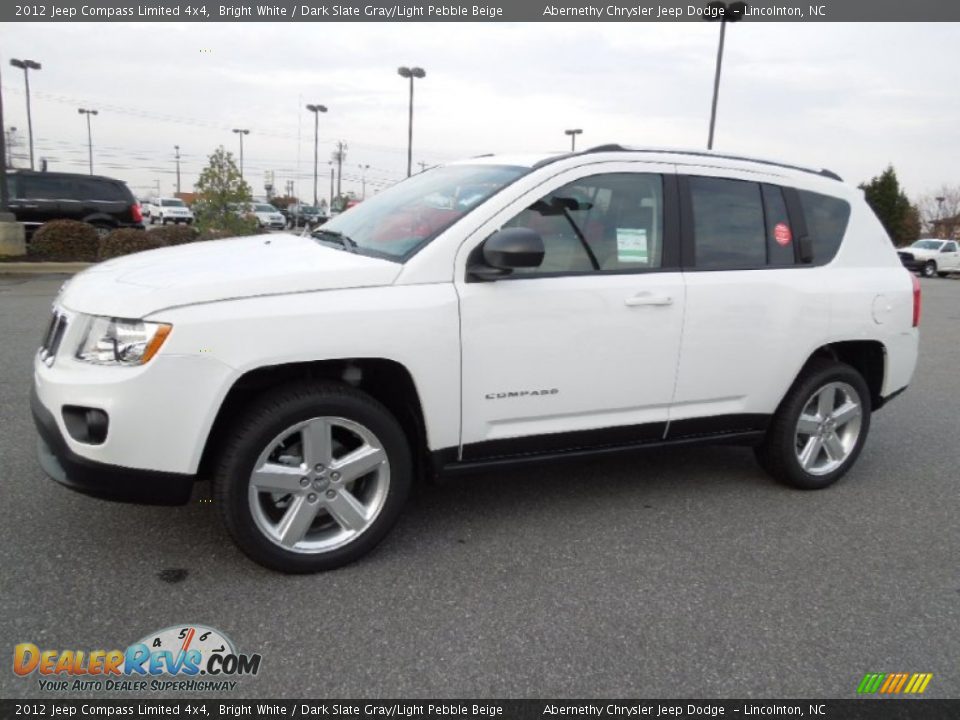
[654,154]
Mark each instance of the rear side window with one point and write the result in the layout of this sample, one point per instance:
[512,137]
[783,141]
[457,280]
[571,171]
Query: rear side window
[728,224]
[45,187]
[827,219]
[91,189]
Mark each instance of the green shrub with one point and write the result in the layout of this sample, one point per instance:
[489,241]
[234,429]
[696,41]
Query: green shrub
[65,240]
[127,241]
[176,234]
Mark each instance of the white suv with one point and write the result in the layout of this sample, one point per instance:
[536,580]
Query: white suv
[164,210]
[498,310]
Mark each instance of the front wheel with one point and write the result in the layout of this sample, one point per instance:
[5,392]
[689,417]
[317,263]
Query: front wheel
[820,427]
[312,477]
[929,270]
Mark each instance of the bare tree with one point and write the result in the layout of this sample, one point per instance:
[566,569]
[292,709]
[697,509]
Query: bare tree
[940,212]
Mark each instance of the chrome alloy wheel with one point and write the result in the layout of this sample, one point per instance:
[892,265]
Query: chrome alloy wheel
[319,484]
[828,428]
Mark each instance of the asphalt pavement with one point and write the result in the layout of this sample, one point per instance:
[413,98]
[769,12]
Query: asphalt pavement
[674,573]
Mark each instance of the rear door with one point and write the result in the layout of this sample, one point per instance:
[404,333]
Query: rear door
[580,352]
[752,310]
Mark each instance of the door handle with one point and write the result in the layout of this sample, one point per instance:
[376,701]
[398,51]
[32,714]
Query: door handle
[645,298]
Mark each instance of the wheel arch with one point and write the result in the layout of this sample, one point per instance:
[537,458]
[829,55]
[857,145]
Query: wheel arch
[387,381]
[868,357]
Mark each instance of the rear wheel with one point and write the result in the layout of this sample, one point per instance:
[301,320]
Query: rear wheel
[312,477]
[929,269]
[103,229]
[820,427]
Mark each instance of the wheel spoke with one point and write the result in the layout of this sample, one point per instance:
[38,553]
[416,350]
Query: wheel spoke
[317,442]
[845,413]
[826,401]
[810,452]
[359,462]
[296,521]
[834,447]
[347,510]
[808,425]
[273,477]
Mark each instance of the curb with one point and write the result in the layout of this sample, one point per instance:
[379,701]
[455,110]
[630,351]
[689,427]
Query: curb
[42,268]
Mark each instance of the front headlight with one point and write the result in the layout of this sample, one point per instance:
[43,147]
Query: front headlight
[115,341]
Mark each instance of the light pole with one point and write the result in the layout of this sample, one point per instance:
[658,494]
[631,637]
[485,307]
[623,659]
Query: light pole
[316,110]
[573,138]
[177,150]
[27,66]
[724,13]
[363,181]
[241,132]
[414,72]
[88,113]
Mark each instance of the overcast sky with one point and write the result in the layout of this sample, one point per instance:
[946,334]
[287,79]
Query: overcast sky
[850,97]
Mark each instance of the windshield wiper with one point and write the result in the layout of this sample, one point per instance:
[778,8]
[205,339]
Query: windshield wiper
[337,238]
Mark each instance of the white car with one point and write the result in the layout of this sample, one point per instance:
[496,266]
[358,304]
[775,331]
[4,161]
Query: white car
[267,216]
[169,210]
[931,256]
[493,311]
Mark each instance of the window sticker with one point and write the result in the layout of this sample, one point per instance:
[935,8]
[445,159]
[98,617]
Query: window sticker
[632,245]
[782,234]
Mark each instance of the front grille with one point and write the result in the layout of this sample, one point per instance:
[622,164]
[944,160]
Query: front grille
[905,256]
[53,337]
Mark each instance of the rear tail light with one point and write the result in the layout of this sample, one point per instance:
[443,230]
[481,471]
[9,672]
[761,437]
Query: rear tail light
[137,212]
[916,300]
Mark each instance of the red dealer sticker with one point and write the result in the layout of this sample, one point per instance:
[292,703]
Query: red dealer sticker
[782,234]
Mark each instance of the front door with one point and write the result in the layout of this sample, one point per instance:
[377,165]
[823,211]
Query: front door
[580,352]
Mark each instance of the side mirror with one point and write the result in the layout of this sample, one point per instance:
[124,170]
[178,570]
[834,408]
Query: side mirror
[505,251]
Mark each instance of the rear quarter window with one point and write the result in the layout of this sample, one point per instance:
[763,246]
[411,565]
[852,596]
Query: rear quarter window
[827,218]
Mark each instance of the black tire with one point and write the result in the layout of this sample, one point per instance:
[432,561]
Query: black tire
[777,454]
[929,269]
[271,415]
[103,229]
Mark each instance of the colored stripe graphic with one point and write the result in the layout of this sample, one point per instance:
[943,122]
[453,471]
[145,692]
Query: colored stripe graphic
[894,683]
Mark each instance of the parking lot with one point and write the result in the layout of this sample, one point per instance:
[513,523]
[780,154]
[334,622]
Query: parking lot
[667,574]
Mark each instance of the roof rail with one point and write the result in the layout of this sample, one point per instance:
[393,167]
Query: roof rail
[614,147]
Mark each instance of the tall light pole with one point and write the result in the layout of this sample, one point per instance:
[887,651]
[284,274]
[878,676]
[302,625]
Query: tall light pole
[176,149]
[414,72]
[573,138]
[363,181]
[27,66]
[88,113]
[725,13]
[316,110]
[241,132]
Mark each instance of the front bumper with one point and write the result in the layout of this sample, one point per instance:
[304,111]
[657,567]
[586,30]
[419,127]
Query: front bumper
[110,482]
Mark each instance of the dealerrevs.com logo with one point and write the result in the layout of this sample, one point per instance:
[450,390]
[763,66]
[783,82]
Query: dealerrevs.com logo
[179,658]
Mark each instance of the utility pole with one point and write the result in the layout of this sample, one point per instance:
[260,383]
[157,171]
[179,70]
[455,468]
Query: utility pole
[316,110]
[241,132]
[724,13]
[27,66]
[330,209]
[363,181]
[411,74]
[177,149]
[88,113]
[11,138]
[339,155]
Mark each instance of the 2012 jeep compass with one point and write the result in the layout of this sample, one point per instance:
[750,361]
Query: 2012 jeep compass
[496,310]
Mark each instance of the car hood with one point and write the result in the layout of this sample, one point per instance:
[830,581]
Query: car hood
[138,285]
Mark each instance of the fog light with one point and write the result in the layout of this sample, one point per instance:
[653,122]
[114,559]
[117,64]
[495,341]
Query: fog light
[86,425]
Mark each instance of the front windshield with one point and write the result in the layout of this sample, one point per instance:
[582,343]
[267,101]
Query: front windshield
[396,222]
[265,208]
[172,203]
[927,244]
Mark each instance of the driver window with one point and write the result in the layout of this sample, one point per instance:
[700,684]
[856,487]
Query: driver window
[602,223]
